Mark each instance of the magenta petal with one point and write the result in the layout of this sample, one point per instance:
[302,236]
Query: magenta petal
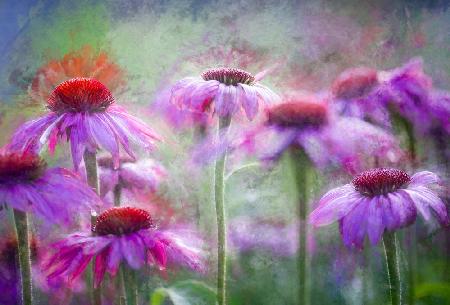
[424,178]
[81,265]
[334,205]
[354,224]
[249,100]
[100,266]
[133,250]
[115,255]
[375,227]
[159,253]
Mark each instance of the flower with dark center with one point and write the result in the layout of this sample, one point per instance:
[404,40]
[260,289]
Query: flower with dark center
[82,111]
[21,167]
[377,200]
[122,221]
[223,90]
[380,181]
[354,83]
[352,93]
[138,176]
[229,76]
[123,234]
[80,95]
[306,121]
[54,194]
[298,114]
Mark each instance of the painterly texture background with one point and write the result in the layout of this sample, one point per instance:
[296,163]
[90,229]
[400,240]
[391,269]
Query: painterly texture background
[308,43]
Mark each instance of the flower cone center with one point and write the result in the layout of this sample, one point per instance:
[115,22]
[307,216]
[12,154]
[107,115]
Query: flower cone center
[122,220]
[298,114]
[229,76]
[20,166]
[380,181]
[80,95]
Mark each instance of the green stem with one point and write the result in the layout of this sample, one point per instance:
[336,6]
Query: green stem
[302,172]
[117,194]
[365,276]
[243,167]
[392,253]
[23,246]
[90,163]
[219,197]
[130,285]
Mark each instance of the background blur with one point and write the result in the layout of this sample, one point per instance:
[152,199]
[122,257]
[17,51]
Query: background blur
[309,43]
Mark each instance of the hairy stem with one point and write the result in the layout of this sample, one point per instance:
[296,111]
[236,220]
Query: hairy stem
[23,247]
[392,253]
[302,171]
[90,162]
[219,197]
[130,285]
[117,194]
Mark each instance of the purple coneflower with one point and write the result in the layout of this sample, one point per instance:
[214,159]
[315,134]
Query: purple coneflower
[351,94]
[377,203]
[55,194]
[82,111]
[305,121]
[376,200]
[230,89]
[122,234]
[223,92]
[137,176]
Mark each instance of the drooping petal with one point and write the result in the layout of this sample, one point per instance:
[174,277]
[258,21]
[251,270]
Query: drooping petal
[334,205]
[375,227]
[424,178]
[249,100]
[354,224]
[100,266]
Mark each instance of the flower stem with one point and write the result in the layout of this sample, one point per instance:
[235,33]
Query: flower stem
[302,172]
[117,194]
[23,245]
[393,268]
[90,163]
[130,285]
[219,197]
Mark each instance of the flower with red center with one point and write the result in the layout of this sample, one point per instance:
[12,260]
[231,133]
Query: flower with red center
[351,93]
[138,176]
[305,121]
[298,114]
[354,83]
[377,200]
[82,111]
[123,234]
[54,194]
[407,91]
[223,90]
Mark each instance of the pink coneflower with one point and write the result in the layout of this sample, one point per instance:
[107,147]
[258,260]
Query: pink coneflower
[407,91]
[137,176]
[351,93]
[306,121]
[82,111]
[224,91]
[122,234]
[54,194]
[377,200]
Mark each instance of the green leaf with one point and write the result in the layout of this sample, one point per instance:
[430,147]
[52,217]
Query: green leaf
[185,293]
[433,289]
